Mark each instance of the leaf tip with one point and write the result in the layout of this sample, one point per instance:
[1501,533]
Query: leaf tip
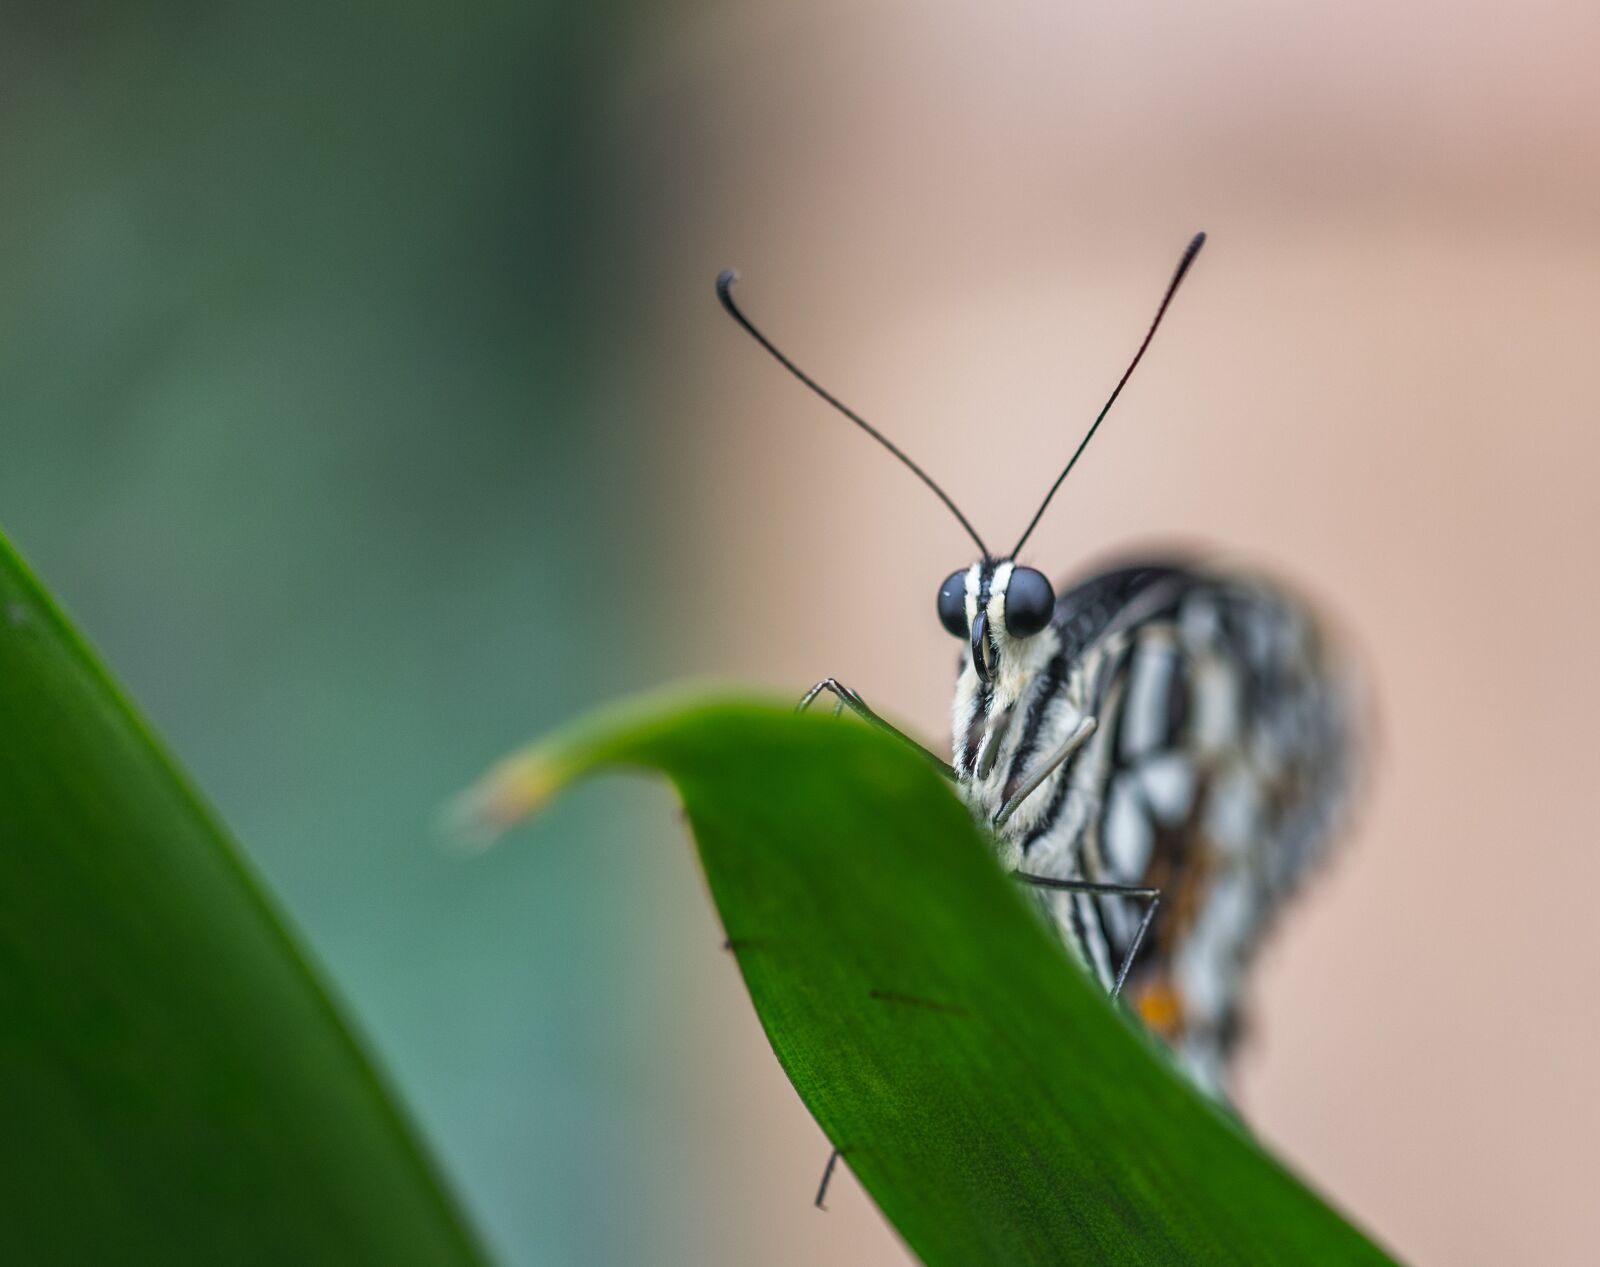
[509,794]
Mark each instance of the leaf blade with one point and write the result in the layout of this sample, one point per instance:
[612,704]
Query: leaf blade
[176,1083]
[986,1094]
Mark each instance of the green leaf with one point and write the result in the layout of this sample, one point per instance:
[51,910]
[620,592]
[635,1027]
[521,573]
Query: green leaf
[176,1086]
[995,1104]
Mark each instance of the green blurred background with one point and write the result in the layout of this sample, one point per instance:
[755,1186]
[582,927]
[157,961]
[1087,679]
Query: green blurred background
[316,413]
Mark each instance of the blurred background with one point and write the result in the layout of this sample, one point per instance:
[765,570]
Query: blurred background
[363,395]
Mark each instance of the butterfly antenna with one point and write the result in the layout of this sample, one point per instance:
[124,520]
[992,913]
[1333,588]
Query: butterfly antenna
[1192,250]
[725,282]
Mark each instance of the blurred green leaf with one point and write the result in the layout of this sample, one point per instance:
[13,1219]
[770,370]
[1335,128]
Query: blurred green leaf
[994,1103]
[176,1086]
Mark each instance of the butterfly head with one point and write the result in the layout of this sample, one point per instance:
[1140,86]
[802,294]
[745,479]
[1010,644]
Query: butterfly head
[993,605]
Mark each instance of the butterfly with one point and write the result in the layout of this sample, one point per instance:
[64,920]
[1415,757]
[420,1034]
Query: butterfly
[1160,752]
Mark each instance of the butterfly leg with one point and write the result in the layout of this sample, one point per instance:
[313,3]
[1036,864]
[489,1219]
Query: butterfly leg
[1079,736]
[1105,890]
[847,698]
[827,1175]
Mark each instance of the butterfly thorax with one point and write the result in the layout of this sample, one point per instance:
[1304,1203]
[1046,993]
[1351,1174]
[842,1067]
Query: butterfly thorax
[999,727]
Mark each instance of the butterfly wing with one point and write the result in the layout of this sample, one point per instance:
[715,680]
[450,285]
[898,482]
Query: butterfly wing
[1221,763]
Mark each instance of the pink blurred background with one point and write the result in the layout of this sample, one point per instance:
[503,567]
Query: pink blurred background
[1379,384]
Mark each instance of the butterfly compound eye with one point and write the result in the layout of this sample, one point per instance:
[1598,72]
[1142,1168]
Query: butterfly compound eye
[1030,602]
[953,604]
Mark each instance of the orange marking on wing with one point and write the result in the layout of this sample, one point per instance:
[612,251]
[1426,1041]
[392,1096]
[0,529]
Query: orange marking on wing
[1161,1009]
